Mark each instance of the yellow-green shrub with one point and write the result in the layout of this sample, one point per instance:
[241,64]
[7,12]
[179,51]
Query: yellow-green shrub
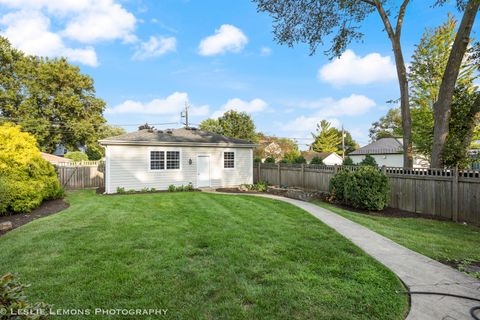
[26,179]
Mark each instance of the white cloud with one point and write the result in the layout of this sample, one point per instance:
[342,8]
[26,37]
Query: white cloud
[86,21]
[353,69]
[349,106]
[302,126]
[29,27]
[325,109]
[30,32]
[227,38]
[155,47]
[53,6]
[252,106]
[265,51]
[173,104]
[103,20]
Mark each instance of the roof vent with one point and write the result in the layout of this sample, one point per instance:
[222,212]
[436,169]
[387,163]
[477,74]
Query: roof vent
[146,126]
[169,131]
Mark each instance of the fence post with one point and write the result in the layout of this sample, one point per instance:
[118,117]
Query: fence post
[258,171]
[335,169]
[384,169]
[279,175]
[455,194]
[303,176]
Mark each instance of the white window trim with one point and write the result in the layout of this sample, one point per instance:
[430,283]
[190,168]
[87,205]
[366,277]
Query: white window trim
[234,159]
[164,160]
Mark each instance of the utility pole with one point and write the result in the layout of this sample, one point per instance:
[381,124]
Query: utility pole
[343,143]
[184,114]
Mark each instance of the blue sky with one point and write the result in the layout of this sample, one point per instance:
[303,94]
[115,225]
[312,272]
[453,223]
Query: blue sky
[148,57]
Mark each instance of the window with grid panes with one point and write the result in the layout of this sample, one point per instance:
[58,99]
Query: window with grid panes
[229,160]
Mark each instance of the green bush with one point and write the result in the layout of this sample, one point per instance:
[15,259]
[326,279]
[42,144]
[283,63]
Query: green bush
[13,298]
[76,156]
[144,189]
[299,159]
[369,161]
[120,190]
[188,187]
[283,161]
[26,178]
[348,161]
[172,188]
[337,185]
[261,186]
[367,188]
[153,190]
[257,160]
[24,190]
[269,160]
[316,160]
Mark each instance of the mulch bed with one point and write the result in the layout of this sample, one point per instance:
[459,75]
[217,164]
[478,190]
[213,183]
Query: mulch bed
[392,213]
[387,212]
[467,266]
[46,208]
[236,190]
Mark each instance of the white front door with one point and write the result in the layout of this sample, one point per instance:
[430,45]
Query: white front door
[203,171]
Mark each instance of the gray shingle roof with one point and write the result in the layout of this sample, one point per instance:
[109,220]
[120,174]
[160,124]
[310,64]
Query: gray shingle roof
[180,136]
[309,155]
[381,146]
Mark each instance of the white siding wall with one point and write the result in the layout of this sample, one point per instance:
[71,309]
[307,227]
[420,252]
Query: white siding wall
[333,159]
[129,167]
[389,160]
[392,160]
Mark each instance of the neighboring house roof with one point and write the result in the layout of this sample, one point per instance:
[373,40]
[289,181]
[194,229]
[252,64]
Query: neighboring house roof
[381,146]
[53,158]
[309,155]
[183,136]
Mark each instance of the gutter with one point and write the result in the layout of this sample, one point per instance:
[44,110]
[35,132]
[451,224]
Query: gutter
[183,144]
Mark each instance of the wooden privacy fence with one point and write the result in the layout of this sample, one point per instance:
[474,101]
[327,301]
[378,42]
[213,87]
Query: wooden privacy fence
[81,175]
[449,193]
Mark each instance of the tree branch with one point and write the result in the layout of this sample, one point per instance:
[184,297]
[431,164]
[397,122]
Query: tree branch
[386,21]
[401,14]
[370,2]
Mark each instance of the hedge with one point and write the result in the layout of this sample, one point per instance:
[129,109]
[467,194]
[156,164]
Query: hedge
[365,188]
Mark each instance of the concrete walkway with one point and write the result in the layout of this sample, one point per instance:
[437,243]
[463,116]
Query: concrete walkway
[418,272]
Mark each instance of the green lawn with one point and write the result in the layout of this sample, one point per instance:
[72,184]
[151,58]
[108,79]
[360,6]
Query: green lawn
[439,240]
[201,256]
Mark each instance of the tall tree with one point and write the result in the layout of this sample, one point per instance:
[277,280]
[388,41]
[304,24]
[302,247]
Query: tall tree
[326,139]
[232,124]
[211,125]
[426,72]
[349,143]
[49,98]
[94,150]
[312,21]
[388,126]
[443,105]
[285,146]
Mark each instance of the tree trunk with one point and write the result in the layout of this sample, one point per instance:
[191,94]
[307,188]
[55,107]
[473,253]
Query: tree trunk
[402,77]
[443,105]
[473,115]
[404,105]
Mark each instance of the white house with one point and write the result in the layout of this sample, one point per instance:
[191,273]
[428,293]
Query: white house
[328,158]
[156,159]
[387,152]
